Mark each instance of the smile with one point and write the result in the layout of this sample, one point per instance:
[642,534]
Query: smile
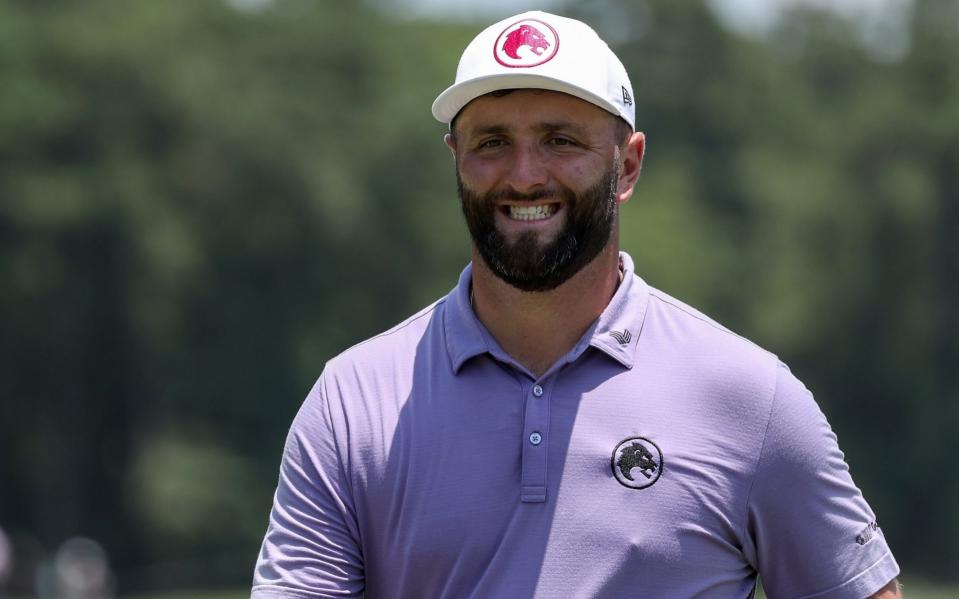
[529,213]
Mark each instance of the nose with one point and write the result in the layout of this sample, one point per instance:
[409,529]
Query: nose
[527,170]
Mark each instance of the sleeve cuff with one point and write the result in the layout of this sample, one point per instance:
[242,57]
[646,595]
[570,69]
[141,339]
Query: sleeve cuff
[865,583]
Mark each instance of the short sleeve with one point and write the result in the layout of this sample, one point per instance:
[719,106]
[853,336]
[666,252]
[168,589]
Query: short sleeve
[311,548]
[811,532]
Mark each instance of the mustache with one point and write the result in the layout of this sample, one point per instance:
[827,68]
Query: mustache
[533,196]
[508,193]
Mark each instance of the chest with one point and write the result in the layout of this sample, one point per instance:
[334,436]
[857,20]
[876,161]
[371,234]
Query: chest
[580,479]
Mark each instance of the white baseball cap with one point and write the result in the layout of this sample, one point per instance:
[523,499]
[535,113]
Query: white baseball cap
[539,50]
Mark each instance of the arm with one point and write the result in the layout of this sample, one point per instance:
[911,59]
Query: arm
[890,591]
[312,547]
[810,532]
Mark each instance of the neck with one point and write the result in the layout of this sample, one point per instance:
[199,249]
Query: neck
[538,328]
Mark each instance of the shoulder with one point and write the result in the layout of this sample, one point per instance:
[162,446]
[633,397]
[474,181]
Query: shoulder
[719,357]
[393,347]
[364,385]
[683,318]
[372,379]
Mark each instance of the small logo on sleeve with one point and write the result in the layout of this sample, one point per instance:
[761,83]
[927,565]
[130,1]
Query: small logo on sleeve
[868,533]
[637,463]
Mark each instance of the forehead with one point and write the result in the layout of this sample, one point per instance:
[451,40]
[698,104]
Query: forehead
[529,109]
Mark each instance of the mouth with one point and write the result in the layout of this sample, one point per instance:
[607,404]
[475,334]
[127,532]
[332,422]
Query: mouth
[527,213]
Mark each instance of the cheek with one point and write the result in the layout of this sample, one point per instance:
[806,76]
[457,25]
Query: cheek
[478,174]
[578,180]
[581,172]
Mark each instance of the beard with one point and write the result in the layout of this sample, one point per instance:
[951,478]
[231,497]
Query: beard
[527,263]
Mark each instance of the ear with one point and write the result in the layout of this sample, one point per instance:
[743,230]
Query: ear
[632,164]
[450,142]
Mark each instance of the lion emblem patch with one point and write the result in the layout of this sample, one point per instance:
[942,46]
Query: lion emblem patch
[637,463]
[526,43]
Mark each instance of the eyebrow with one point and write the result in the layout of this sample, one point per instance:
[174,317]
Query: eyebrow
[488,130]
[544,127]
[570,126]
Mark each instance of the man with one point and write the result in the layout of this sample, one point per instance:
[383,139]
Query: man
[554,427]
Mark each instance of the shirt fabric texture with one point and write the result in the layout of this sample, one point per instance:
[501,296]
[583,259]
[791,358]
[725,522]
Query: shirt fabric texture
[425,462]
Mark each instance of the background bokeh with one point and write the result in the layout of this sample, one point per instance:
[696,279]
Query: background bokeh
[203,201]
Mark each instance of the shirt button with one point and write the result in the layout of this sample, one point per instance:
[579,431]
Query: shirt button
[535,438]
[537,391]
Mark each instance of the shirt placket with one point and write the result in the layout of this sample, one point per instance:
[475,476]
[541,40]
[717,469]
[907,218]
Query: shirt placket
[535,442]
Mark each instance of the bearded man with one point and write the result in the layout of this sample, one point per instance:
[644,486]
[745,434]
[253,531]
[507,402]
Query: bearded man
[555,427]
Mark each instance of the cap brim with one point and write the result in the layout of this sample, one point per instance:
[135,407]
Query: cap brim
[449,103]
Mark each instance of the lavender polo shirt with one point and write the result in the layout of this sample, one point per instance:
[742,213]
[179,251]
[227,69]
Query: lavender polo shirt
[663,457]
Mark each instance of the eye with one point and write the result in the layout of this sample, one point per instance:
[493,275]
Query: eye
[491,143]
[561,141]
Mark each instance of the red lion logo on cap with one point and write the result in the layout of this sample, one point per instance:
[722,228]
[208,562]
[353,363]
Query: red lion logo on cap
[526,35]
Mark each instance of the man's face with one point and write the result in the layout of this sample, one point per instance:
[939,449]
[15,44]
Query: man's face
[538,174]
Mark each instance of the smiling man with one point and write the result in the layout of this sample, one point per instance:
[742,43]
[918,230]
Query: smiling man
[555,427]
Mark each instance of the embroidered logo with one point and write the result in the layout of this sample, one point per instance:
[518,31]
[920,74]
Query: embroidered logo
[637,463]
[526,43]
[867,533]
[623,338]
[627,99]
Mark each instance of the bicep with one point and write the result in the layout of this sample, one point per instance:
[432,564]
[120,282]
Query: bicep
[810,531]
[311,547]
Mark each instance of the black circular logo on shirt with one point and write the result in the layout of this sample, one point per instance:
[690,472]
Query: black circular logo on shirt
[637,462]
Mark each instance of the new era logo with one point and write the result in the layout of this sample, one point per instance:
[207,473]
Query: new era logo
[623,338]
[627,99]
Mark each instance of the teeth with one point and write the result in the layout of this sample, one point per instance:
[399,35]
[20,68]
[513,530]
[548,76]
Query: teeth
[532,212]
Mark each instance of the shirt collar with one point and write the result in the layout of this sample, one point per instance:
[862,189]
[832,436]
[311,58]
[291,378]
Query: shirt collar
[466,337]
[615,333]
[618,328]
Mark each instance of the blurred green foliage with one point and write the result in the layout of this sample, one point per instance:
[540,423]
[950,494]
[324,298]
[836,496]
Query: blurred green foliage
[200,204]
